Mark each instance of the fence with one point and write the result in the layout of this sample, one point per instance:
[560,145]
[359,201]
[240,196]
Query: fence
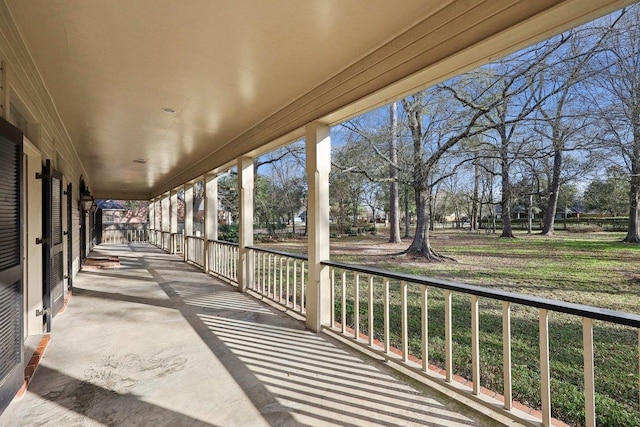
[606,224]
[124,233]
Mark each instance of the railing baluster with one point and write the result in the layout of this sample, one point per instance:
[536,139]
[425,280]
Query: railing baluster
[260,256]
[302,289]
[215,264]
[288,280]
[274,275]
[269,275]
[257,256]
[295,286]
[265,259]
[386,316]
[295,281]
[589,381]
[425,327]
[261,267]
[448,359]
[256,267]
[343,305]
[545,386]
[219,259]
[227,260]
[333,297]
[370,308]
[506,354]
[404,322]
[475,345]
[356,306]
[281,275]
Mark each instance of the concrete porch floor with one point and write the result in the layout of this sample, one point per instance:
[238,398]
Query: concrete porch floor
[157,342]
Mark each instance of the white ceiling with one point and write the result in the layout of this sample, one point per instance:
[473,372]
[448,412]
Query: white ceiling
[224,66]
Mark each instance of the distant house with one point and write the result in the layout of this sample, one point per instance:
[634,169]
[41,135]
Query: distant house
[116,212]
[571,212]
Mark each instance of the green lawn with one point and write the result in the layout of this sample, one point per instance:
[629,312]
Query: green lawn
[593,269]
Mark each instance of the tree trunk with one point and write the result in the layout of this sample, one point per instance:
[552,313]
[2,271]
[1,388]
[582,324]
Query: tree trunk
[552,206]
[394,207]
[473,221]
[634,191]
[420,246]
[506,199]
[407,213]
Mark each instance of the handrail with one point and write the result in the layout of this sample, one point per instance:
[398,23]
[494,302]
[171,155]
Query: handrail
[595,313]
[286,254]
[224,242]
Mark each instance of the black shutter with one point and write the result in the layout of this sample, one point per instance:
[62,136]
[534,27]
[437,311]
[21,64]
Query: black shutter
[11,369]
[9,205]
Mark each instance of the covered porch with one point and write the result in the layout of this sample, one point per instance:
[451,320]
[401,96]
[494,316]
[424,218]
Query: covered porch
[144,101]
[155,341]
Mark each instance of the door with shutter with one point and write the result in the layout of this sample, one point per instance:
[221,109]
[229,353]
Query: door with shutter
[54,243]
[69,236]
[11,369]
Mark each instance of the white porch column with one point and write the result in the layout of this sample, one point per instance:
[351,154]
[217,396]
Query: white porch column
[165,227]
[210,214]
[318,144]
[245,229]
[152,219]
[158,217]
[166,213]
[174,220]
[188,218]
[188,210]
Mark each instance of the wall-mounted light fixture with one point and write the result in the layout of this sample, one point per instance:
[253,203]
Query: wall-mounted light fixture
[85,203]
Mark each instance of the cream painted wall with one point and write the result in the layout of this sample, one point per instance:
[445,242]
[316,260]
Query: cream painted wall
[22,88]
[32,231]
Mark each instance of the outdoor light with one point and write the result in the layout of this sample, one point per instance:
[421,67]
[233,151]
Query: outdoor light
[86,202]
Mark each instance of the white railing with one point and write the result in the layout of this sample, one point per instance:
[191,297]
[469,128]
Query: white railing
[177,243]
[280,277]
[165,241]
[157,238]
[359,288]
[223,260]
[124,233]
[194,250]
[398,327]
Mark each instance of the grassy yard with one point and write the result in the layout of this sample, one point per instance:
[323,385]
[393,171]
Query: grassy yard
[592,269]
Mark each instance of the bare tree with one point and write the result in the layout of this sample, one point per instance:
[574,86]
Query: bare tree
[382,140]
[563,117]
[618,90]
[509,90]
[435,126]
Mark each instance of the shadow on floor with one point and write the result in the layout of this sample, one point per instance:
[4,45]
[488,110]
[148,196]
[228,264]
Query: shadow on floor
[291,375]
[106,406]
